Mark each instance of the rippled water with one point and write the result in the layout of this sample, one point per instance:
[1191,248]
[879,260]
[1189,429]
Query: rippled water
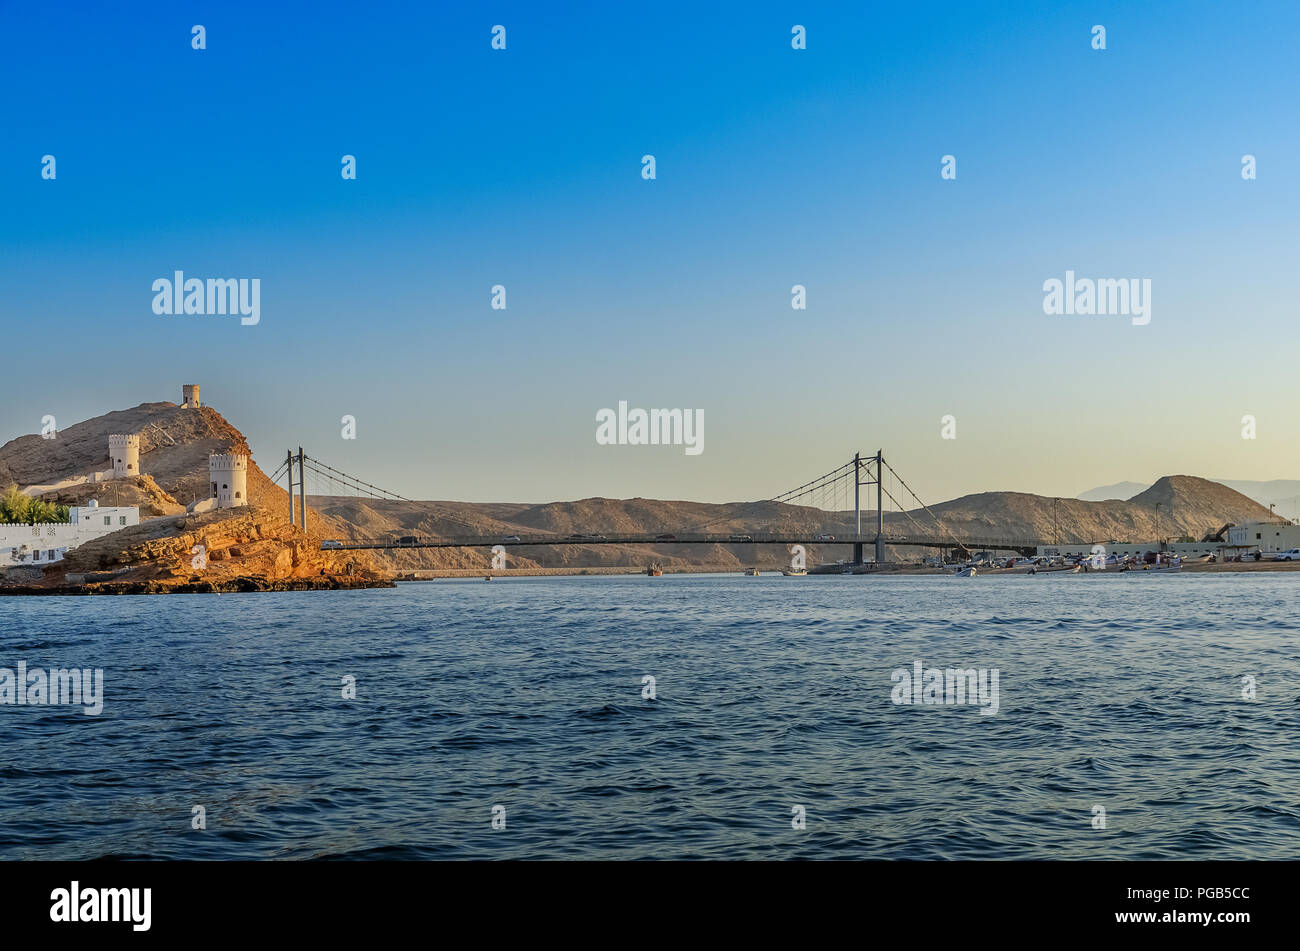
[1123,692]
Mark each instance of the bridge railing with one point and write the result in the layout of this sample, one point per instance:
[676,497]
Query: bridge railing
[670,538]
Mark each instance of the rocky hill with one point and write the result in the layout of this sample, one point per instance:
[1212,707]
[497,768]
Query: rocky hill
[253,542]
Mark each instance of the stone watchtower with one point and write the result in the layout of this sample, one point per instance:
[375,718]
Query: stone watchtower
[190,396]
[124,453]
[228,472]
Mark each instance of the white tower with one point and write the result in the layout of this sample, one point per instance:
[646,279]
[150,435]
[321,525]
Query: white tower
[190,396]
[124,451]
[228,473]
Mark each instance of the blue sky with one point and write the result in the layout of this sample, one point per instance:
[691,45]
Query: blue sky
[775,167]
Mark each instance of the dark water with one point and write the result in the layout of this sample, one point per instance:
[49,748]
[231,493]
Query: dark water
[1124,692]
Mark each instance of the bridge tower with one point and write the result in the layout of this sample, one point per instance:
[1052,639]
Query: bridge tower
[124,452]
[858,483]
[228,473]
[880,506]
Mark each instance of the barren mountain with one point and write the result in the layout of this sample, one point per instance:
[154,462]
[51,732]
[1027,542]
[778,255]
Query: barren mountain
[175,444]
[1189,506]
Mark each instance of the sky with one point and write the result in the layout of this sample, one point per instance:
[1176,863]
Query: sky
[774,167]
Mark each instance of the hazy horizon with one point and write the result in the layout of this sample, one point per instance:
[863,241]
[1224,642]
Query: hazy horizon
[774,167]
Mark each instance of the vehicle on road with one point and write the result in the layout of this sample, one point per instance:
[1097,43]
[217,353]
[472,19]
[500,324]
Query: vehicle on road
[823,537]
[1291,554]
[511,538]
[331,543]
[666,537]
[742,538]
[407,540]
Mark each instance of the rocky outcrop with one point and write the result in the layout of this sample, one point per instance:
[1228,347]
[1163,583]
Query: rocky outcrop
[218,551]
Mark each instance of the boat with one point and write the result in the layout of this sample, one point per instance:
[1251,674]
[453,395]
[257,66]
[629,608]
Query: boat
[751,572]
[967,572]
[487,577]
[794,572]
[654,571]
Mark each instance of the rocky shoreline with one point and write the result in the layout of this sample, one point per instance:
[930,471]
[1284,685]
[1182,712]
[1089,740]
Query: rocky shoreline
[242,585]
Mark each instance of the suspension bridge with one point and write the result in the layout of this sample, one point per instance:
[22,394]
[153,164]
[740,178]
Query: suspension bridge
[831,493]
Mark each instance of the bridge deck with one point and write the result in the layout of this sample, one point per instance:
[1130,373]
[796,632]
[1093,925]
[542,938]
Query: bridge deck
[679,538]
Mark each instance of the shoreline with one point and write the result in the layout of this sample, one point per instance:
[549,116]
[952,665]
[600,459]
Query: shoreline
[245,585]
[442,574]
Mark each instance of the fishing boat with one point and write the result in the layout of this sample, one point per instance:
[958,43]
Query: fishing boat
[654,571]
[794,572]
[751,572]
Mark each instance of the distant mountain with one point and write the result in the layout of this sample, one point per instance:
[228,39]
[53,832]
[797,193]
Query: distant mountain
[1122,491]
[1284,493]
[1188,506]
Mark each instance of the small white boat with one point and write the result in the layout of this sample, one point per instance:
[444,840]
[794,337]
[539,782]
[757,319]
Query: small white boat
[794,572]
[968,572]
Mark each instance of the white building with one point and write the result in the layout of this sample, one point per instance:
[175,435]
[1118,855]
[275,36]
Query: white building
[124,452]
[228,472]
[1266,536]
[44,544]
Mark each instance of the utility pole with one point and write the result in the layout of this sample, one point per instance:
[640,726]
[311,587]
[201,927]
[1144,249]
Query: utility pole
[880,507]
[302,490]
[288,458]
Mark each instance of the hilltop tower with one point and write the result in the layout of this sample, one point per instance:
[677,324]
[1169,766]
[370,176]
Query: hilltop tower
[124,452]
[190,396]
[228,473]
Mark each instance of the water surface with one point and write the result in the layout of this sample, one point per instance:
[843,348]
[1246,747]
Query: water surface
[1123,692]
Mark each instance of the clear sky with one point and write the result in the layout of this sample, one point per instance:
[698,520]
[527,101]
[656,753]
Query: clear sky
[775,167]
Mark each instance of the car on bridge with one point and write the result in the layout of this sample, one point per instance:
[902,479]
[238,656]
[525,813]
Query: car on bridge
[511,538]
[742,538]
[407,540]
[577,536]
[331,543]
[666,537]
[823,537]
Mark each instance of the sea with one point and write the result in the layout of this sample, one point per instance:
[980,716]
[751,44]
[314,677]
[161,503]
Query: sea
[683,717]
